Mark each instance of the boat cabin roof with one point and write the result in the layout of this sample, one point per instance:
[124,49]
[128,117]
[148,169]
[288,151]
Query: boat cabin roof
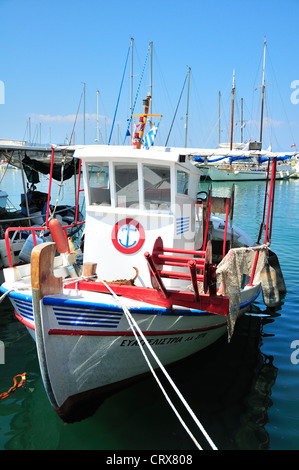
[125,152]
[137,179]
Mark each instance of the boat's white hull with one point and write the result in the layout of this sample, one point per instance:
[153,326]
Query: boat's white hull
[90,349]
[242,174]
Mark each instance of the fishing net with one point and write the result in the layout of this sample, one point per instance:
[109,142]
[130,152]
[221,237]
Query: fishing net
[234,271]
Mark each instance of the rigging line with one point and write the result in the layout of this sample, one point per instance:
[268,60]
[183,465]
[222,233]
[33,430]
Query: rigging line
[282,103]
[176,110]
[135,326]
[76,119]
[121,85]
[137,93]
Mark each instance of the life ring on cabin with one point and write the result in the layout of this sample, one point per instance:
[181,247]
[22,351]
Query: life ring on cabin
[128,236]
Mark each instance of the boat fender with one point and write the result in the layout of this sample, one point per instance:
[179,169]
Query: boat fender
[72,272]
[58,236]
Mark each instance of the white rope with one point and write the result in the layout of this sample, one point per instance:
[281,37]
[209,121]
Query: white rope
[134,326]
[5,294]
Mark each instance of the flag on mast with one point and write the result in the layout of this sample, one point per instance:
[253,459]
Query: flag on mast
[149,138]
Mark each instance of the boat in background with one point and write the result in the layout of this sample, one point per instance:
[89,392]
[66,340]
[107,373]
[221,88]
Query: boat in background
[250,164]
[245,161]
[149,282]
[295,163]
[17,236]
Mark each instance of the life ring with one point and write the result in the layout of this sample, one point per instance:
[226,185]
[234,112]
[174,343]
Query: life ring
[128,236]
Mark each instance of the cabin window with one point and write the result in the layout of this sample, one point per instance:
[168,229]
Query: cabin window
[126,185]
[156,180]
[182,182]
[99,191]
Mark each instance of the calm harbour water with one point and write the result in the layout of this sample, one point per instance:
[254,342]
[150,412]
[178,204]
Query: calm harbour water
[244,393]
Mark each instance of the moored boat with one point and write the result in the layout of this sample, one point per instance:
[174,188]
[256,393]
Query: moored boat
[36,207]
[149,278]
[245,167]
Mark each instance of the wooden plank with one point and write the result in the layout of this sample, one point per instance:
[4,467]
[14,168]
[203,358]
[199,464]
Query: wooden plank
[42,264]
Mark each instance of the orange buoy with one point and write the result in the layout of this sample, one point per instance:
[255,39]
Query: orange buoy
[58,236]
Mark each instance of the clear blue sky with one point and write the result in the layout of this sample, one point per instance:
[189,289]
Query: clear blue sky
[50,47]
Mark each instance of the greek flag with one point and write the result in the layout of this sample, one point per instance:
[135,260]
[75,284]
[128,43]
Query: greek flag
[149,139]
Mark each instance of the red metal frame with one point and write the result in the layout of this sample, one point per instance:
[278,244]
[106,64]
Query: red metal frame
[196,262]
[159,295]
[225,228]
[269,220]
[207,223]
[216,304]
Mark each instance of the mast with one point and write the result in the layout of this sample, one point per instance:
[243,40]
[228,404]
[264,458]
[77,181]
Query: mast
[219,109]
[84,114]
[131,107]
[241,120]
[232,113]
[187,110]
[138,133]
[98,129]
[151,77]
[263,92]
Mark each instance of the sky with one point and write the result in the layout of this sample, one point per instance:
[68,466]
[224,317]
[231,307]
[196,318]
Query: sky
[49,49]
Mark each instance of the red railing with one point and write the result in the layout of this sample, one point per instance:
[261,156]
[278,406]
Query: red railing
[32,229]
[269,204]
[46,227]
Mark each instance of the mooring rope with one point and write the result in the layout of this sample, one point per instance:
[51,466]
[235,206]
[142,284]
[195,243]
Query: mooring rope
[5,294]
[134,326]
[15,385]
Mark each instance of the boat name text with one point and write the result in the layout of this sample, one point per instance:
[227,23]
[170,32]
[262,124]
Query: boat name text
[159,341]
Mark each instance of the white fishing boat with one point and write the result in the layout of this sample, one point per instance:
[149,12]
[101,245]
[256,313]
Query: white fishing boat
[149,279]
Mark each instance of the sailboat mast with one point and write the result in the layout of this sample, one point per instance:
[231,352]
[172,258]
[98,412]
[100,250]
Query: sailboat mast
[263,93]
[131,108]
[219,114]
[187,110]
[232,113]
[84,86]
[241,120]
[98,128]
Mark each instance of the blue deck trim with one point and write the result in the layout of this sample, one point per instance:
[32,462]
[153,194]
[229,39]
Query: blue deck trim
[70,303]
